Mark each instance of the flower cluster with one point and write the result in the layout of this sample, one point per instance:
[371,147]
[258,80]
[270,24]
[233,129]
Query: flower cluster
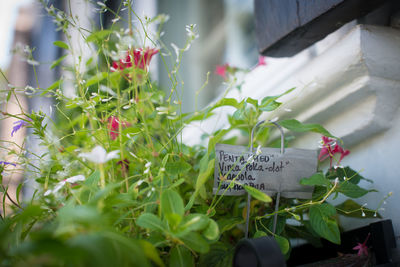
[329,148]
[18,125]
[113,126]
[138,57]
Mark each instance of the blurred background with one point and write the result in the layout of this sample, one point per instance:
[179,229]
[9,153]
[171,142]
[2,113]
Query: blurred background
[225,28]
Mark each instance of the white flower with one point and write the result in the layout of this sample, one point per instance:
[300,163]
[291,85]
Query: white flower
[147,166]
[99,155]
[69,180]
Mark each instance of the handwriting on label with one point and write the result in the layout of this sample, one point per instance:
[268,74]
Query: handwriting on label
[270,171]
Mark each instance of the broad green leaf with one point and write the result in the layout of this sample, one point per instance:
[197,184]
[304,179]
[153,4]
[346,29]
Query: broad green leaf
[220,255]
[257,194]
[61,44]
[179,167]
[172,206]
[323,224]
[259,234]
[316,179]
[194,222]
[93,179]
[151,252]
[181,257]
[98,36]
[57,62]
[296,126]
[283,243]
[150,221]
[196,242]
[96,78]
[352,190]
[353,176]
[212,230]
[350,208]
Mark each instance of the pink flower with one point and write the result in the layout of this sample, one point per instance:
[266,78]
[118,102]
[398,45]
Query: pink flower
[113,126]
[328,152]
[139,56]
[261,61]
[222,70]
[362,248]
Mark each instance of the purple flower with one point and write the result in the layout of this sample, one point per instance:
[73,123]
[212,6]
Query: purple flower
[18,125]
[7,163]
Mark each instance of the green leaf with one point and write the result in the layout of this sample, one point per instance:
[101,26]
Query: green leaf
[57,62]
[151,222]
[9,95]
[350,208]
[201,179]
[323,224]
[252,101]
[272,105]
[18,192]
[296,126]
[257,194]
[220,255]
[316,179]
[96,78]
[181,257]
[196,242]
[216,138]
[283,244]
[212,230]
[61,44]
[347,172]
[194,222]
[259,234]
[93,179]
[172,207]
[269,103]
[226,224]
[175,168]
[151,252]
[352,190]
[98,36]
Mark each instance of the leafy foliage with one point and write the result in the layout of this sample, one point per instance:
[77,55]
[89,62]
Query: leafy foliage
[146,198]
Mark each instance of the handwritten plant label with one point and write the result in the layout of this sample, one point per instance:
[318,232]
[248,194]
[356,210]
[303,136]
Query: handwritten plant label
[269,171]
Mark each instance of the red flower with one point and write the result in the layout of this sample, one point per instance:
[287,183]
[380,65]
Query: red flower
[141,58]
[221,70]
[113,126]
[328,152]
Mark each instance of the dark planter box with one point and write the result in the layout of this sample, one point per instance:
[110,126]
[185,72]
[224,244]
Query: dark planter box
[381,244]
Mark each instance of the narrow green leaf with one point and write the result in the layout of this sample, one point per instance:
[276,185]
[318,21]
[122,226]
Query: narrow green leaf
[151,222]
[316,179]
[323,224]
[296,126]
[61,44]
[18,192]
[9,95]
[257,194]
[181,257]
[57,62]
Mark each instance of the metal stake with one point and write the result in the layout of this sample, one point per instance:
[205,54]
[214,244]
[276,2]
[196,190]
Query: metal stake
[278,196]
